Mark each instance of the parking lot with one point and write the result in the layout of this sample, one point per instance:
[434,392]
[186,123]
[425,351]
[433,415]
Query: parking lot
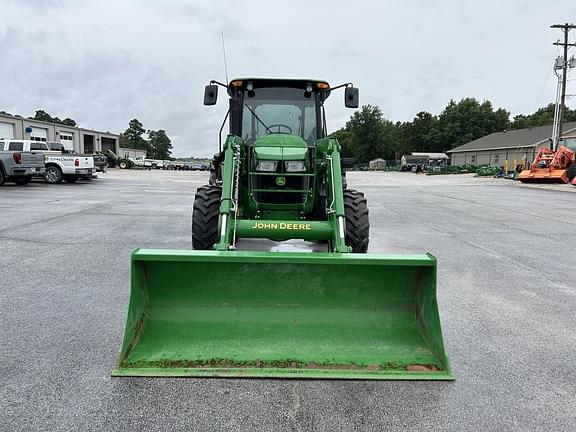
[506,291]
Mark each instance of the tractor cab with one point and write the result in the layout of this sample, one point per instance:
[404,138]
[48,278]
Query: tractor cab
[279,121]
[261,107]
[265,106]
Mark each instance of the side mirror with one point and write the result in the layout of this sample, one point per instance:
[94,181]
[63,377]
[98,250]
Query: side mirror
[351,97]
[210,94]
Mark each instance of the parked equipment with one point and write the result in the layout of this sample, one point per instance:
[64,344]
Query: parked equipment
[217,311]
[549,166]
[117,161]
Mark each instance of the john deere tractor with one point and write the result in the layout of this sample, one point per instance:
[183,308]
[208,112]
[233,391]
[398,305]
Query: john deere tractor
[219,310]
[279,176]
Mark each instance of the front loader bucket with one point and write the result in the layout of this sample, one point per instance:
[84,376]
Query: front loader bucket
[292,315]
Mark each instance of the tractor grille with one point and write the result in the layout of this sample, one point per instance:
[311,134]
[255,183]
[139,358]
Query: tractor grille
[276,194]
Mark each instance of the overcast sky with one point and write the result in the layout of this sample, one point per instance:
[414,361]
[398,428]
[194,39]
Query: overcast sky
[104,62]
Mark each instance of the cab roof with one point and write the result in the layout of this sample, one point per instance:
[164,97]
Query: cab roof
[280,82]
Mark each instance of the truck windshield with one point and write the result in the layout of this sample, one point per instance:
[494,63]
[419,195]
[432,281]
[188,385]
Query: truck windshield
[278,110]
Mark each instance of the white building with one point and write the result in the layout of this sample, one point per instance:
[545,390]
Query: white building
[80,140]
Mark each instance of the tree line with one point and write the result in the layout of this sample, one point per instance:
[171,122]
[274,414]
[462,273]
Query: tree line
[44,116]
[369,135]
[157,146]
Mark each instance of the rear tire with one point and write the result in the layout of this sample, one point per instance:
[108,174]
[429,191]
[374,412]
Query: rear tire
[53,174]
[123,164]
[357,221]
[21,181]
[205,214]
[2,177]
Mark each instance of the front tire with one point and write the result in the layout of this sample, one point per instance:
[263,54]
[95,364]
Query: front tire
[205,215]
[2,177]
[53,174]
[357,221]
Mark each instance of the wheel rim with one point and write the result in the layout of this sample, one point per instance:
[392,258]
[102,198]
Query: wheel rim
[51,175]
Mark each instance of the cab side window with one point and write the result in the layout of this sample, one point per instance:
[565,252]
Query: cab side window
[38,146]
[15,146]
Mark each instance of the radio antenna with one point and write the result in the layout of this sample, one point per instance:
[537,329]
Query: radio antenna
[224,53]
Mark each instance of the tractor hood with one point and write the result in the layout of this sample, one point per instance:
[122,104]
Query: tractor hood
[280,147]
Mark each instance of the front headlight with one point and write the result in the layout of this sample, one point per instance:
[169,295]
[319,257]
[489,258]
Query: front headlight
[266,166]
[294,166]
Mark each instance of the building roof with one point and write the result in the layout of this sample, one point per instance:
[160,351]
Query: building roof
[431,155]
[60,126]
[530,137]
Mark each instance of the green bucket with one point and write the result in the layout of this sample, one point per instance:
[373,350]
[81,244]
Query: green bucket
[289,315]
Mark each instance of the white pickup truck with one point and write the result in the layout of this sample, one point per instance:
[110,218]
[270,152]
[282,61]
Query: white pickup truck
[59,166]
[142,162]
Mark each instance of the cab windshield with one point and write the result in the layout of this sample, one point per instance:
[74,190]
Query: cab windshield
[279,111]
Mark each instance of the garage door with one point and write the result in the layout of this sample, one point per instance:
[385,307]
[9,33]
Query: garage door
[67,140]
[6,130]
[39,134]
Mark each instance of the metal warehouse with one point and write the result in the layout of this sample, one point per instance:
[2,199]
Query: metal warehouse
[73,138]
[513,145]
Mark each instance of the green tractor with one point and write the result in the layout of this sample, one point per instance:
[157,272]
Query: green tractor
[279,176]
[117,161]
[218,310]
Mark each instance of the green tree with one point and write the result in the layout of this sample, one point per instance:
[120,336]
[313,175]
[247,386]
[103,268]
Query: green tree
[69,122]
[422,134]
[132,137]
[543,116]
[370,135]
[160,144]
[468,120]
[43,116]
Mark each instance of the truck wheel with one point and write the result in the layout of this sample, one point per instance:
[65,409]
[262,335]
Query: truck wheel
[357,222]
[123,164]
[2,177]
[21,181]
[53,174]
[205,214]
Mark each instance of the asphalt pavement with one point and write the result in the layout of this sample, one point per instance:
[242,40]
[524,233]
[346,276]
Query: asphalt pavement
[506,291]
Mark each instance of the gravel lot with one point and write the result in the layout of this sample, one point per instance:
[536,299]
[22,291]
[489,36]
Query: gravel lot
[507,296]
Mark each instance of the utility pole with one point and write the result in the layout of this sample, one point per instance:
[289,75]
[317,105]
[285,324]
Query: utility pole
[565,66]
